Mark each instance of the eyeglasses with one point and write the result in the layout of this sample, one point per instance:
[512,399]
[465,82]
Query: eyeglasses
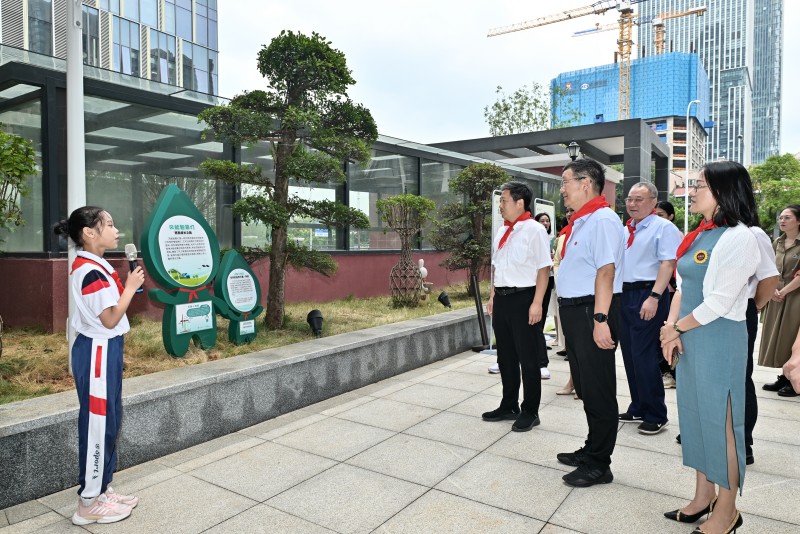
[568,180]
[698,185]
[636,200]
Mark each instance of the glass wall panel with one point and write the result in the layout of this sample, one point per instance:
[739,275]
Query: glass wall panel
[435,185]
[40,26]
[149,13]
[130,10]
[26,120]
[91,36]
[169,17]
[133,151]
[183,21]
[126,47]
[385,175]
[162,57]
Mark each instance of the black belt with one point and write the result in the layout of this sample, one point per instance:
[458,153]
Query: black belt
[638,285]
[503,291]
[576,301]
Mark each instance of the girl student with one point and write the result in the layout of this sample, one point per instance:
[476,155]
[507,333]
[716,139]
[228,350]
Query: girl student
[100,323]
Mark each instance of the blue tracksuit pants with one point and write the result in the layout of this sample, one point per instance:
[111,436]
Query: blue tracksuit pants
[97,369]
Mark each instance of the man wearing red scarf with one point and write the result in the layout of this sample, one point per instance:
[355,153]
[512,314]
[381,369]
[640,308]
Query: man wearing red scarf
[649,264]
[521,265]
[588,284]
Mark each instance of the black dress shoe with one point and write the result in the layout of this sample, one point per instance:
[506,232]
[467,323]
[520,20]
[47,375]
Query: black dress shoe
[585,476]
[525,422]
[733,527]
[787,391]
[562,353]
[572,459]
[749,459]
[677,515]
[777,385]
[501,414]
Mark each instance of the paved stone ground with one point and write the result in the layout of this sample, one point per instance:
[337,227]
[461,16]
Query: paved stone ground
[411,454]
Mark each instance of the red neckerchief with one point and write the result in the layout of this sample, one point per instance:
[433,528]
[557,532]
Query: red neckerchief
[590,207]
[510,226]
[632,229]
[80,261]
[691,236]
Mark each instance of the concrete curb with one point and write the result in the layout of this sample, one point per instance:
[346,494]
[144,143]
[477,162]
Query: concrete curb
[172,410]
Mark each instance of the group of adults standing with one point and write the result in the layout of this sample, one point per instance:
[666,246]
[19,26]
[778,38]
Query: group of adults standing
[615,284]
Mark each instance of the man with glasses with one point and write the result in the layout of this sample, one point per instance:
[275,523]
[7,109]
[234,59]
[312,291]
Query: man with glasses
[649,263]
[589,281]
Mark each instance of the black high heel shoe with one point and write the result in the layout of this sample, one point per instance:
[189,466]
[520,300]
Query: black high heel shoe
[733,527]
[677,515]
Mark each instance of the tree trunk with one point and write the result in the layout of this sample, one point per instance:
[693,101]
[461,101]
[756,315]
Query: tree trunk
[276,298]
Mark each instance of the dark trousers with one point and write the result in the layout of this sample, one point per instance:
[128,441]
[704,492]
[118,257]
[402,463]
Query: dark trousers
[663,365]
[750,402]
[594,376]
[544,361]
[518,347]
[641,352]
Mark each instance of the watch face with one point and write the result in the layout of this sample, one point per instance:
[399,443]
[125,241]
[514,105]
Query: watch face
[600,317]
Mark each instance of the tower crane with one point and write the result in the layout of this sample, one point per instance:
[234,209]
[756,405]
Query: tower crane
[624,42]
[659,30]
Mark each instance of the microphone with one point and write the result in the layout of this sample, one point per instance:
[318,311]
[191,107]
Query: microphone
[131,254]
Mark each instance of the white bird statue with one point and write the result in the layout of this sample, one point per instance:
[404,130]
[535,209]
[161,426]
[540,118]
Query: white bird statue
[423,272]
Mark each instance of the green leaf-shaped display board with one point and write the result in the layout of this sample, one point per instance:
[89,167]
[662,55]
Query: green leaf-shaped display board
[238,286]
[181,254]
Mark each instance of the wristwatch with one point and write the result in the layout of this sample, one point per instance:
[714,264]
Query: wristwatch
[678,330]
[655,295]
[600,317]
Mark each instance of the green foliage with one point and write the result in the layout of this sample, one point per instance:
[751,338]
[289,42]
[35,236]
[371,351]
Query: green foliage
[777,184]
[529,110]
[405,211]
[694,218]
[464,228]
[313,127]
[298,256]
[17,163]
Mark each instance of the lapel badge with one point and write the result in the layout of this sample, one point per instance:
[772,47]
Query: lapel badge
[701,256]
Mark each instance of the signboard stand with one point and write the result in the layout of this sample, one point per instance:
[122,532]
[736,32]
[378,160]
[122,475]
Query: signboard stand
[238,286]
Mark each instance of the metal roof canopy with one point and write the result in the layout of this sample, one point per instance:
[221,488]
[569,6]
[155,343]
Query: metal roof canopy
[631,143]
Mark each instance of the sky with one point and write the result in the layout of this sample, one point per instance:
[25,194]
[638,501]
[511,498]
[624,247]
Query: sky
[426,70]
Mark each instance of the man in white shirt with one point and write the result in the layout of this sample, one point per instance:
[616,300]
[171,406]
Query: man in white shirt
[521,265]
[588,284]
[649,263]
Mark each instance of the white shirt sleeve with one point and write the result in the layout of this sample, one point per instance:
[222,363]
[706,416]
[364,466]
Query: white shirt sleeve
[733,261]
[541,247]
[668,242]
[606,243]
[766,267]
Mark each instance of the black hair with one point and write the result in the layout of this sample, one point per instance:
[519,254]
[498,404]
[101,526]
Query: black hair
[667,206]
[732,188]
[539,216]
[583,168]
[85,217]
[518,190]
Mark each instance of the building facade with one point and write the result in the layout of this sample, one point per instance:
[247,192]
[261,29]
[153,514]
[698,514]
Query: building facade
[661,88]
[169,41]
[739,43]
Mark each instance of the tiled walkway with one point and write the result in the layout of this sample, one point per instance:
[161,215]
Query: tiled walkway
[411,454]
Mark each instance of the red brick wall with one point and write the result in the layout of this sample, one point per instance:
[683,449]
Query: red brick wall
[33,292]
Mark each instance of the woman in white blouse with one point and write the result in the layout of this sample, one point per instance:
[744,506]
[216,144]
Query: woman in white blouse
[706,325]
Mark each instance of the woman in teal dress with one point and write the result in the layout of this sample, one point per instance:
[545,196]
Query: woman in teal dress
[706,325]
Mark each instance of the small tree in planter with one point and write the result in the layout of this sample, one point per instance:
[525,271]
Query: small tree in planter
[17,162]
[464,228]
[405,214]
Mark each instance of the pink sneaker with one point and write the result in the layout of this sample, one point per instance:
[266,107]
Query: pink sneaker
[101,510]
[119,498]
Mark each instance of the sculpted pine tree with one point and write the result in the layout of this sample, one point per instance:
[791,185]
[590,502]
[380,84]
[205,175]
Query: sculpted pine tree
[17,163]
[313,127]
[464,228]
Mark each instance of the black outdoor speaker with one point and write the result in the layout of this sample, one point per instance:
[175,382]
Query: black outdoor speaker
[444,298]
[314,320]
